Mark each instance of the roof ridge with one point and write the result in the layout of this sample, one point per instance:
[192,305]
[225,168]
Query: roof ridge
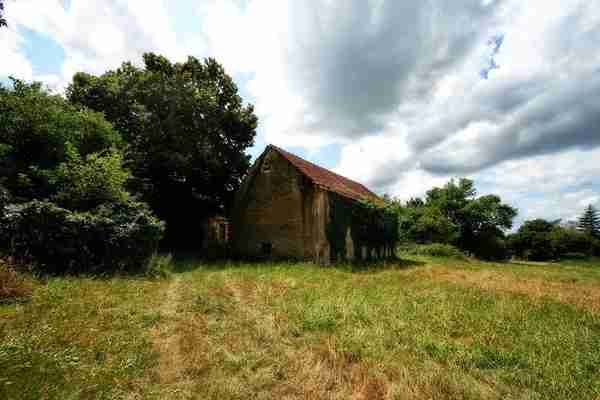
[330,180]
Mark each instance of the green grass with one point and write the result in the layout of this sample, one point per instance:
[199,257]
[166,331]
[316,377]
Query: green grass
[422,328]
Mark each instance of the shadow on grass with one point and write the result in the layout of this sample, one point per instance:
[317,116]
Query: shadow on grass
[187,262]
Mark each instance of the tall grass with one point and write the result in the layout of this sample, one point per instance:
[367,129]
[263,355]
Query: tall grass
[419,329]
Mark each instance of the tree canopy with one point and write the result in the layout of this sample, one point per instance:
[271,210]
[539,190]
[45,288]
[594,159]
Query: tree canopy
[187,130]
[45,141]
[589,222]
[63,199]
[454,214]
[542,240]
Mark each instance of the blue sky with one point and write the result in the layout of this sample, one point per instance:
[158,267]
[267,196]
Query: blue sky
[398,95]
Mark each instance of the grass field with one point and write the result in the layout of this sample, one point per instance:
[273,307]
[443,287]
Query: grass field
[423,328]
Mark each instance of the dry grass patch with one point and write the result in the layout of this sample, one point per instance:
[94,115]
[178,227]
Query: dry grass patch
[580,294]
[13,286]
[322,372]
[171,342]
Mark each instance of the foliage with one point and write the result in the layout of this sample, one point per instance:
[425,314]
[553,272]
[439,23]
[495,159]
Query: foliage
[41,136]
[2,19]
[589,222]
[434,250]
[4,199]
[371,225]
[112,237]
[63,202]
[426,225]
[491,246]
[187,130]
[159,266]
[83,184]
[454,215]
[540,240]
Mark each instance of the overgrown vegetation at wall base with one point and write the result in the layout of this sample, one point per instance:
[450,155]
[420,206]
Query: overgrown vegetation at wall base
[432,250]
[374,226]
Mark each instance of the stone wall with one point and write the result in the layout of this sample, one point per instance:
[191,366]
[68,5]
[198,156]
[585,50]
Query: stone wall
[279,213]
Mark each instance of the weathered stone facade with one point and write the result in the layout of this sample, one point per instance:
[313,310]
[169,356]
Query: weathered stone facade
[281,212]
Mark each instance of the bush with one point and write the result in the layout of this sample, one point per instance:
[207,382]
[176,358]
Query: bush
[112,237]
[12,286]
[159,266]
[540,240]
[434,250]
[491,247]
[596,247]
[85,183]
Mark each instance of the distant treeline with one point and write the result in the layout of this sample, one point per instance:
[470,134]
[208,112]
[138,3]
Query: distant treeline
[454,215]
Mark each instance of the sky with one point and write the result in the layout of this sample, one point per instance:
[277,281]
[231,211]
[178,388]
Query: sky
[398,95]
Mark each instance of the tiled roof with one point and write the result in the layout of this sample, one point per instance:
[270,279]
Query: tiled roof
[327,179]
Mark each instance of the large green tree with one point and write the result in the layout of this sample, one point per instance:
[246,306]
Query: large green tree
[589,222]
[187,130]
[542,240]
[63,201]
[454,214]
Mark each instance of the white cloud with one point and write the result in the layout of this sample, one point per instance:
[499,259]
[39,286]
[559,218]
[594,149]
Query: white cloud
[99,35]
[14,62]
[396,84]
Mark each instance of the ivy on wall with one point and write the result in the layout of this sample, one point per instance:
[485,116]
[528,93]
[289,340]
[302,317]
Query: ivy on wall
[371,225]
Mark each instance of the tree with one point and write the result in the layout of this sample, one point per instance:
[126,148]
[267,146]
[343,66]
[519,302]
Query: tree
[541,240]
[41,138]
[453,214]
[589,222]
[426,225]
[483,222]
[63,202]
[187,130]
[533,242]
[2,20]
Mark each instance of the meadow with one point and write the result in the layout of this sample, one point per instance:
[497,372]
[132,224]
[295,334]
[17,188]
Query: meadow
[419,328]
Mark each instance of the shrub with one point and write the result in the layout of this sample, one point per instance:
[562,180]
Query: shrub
[85,183]
[159,266]
[596,247]
[12,286]
[112,237]
[434,250]
[4,199]
[540,240]
[491,247]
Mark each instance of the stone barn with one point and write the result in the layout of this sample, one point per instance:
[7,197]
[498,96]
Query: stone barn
[290,208]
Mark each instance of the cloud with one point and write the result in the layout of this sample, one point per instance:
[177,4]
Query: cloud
[99,35]
[504,91]
[14,62]
[558,185]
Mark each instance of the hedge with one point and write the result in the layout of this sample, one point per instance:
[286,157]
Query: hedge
[110,238]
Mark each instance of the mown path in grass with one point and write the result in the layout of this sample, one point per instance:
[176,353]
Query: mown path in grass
[421,329]
[173,382]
